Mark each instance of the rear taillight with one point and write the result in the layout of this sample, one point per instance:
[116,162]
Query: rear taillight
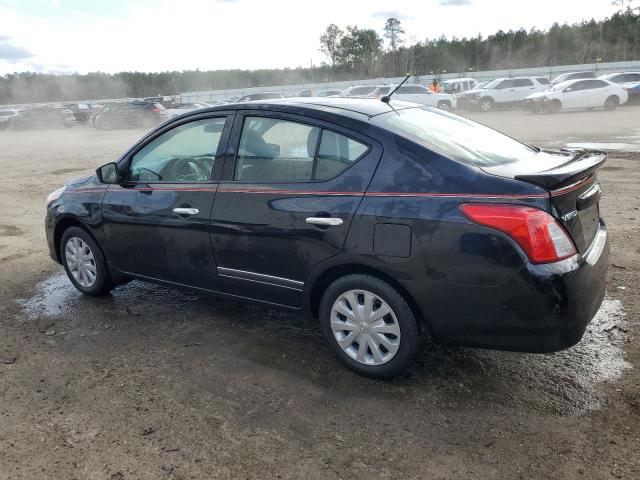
[157,108]
[540,235]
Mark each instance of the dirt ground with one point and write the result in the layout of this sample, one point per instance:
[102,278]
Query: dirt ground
[154,383]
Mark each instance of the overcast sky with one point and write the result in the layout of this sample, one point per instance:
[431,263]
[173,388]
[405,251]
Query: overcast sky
[119,35]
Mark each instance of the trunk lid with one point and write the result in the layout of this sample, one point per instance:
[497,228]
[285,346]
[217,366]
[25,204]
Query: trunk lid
[570,177]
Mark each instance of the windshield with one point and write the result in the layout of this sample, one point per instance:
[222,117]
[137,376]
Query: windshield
[455,137]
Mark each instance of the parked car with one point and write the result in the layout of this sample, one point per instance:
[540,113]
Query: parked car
[573,76]
[306,92]
[42,116]
[251,97]
[328,93]
[162,100]
[5,117]
[634,93]
[138,113]
[358,91]
[417,94]
[467,100]
[387,222]
[82,111]
[458,85]
[179,108]
[625,79]
[509,92]
[578,94]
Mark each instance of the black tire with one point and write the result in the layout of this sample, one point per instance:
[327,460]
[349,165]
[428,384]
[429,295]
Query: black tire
[444,105]
[409,334]
[485,104]
[611,103]
[103,282]
[553,106]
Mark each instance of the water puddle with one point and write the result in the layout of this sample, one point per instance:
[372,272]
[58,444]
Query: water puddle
[566,382]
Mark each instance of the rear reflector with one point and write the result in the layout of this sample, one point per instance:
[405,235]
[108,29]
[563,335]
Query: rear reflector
[540,235]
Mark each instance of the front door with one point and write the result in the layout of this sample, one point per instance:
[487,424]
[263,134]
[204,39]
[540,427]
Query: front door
[286,202]
[157,221]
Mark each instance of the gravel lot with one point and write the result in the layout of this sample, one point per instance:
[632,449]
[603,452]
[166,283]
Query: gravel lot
[153,383]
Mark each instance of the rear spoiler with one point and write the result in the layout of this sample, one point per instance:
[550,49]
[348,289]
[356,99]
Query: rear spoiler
[582,165]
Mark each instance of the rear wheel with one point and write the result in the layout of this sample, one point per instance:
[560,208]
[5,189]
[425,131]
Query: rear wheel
[486,104]
[84,263]
[369,326]
[611,103]
[444,105]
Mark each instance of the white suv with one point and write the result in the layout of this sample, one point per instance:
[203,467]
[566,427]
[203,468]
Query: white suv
[507,92]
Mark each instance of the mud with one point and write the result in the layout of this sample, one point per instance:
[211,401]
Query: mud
[156,383]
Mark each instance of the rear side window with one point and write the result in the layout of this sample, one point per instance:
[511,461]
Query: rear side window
[523,82]
[279,151]
[543,80]
[617,79]
[336,154]
[632,77]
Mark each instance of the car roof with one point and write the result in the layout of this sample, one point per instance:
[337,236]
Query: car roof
[357,108]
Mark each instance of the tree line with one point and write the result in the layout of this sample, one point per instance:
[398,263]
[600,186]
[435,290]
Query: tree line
[357,53]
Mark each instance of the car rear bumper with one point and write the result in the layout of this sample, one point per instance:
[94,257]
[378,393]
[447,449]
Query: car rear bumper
[542,308]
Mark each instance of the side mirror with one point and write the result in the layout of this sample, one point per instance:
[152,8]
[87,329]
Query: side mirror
[108,173]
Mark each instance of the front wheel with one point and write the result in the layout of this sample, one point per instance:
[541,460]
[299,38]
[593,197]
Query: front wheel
[486,104]
[84,263]
[444,105]
[369,326]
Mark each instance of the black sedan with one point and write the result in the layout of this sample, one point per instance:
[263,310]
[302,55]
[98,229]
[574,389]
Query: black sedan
[388,222]
[42,116]
[138,113]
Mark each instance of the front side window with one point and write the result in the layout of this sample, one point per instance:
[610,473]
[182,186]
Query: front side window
[590,84]
[185,153]
[577,86]
[276,150]
[507,84]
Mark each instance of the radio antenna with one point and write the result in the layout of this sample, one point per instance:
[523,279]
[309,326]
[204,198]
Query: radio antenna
[386,98]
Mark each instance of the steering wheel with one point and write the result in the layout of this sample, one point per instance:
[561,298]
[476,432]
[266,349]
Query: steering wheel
[191,169]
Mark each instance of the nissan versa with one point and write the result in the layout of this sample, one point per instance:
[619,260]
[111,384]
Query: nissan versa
[387,221]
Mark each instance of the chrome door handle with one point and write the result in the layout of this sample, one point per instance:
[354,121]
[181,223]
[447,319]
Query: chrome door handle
[325,221]
[186,211]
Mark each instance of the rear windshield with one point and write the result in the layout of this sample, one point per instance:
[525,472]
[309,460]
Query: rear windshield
[455,137]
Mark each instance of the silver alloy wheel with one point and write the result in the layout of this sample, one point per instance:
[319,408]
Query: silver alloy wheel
[365,327]
[444,106]
[485,105]
[80,262]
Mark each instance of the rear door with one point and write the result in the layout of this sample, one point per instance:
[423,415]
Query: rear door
[595,93]
[288,195]
[157,220]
